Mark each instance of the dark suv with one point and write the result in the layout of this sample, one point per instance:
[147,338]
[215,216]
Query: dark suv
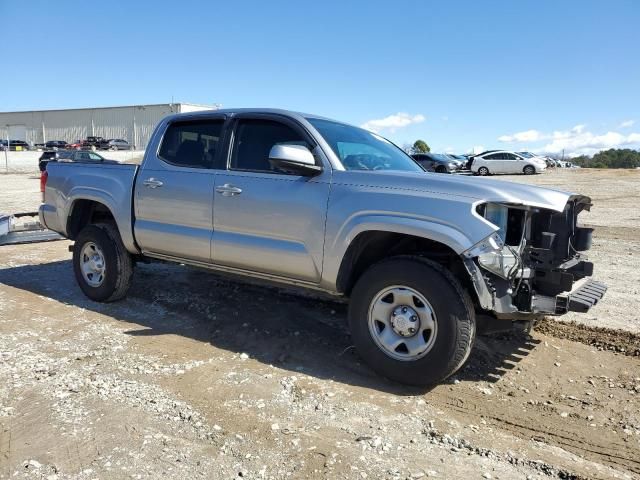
[15,145]
[56,144]
[438,162]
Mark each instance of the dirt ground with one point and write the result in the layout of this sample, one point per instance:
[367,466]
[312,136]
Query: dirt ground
[196,376]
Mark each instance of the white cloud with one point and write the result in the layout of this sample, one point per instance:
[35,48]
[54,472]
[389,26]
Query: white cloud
[579,141]
[575,141]
[393,122]
[526,136]
[627,124]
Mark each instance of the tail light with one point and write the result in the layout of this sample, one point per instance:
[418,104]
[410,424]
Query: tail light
[43,182]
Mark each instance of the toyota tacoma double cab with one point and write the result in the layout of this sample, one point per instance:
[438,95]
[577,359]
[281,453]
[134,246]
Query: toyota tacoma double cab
[306,201]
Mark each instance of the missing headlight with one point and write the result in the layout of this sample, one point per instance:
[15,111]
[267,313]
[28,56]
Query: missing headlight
[506,261]
[509,220]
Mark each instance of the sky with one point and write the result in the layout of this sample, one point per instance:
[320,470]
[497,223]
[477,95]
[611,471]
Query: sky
[548,76]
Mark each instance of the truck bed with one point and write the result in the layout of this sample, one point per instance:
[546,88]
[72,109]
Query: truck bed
[110,183]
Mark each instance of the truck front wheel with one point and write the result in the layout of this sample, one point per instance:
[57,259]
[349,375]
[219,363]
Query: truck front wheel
[411,321]
[102,265]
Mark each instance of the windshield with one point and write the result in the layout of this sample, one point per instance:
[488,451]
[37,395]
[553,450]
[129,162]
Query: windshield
[360,149]
[525,154]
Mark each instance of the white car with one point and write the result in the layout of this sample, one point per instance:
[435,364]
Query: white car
[502,161]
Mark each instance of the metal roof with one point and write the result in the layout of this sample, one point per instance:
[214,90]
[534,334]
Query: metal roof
[112,107]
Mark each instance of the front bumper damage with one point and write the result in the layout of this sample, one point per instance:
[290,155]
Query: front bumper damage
[536,266]
[497,297]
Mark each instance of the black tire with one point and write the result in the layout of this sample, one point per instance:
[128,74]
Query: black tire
[483,171]
[529,170]
[441,169]
[118,262]
[453,308]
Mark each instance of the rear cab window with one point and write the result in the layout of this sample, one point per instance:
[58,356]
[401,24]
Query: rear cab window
[192,143]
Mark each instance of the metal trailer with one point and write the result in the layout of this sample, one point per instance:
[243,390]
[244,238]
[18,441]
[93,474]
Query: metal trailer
[14,232]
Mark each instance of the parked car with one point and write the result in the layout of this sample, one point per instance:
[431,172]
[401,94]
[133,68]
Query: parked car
[61,144]
[313,203]
[548,162]
[90,143]
[14,145]
[459,158]
[114,144]
[77,145]
[47,156]
[93,140]
[437,162]
[69,156]
[502,161]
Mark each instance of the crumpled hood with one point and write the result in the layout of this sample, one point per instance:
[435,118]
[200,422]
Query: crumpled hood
[474,188]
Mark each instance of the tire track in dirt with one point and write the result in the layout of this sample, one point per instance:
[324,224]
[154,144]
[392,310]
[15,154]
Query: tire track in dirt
[608,451]
[619,341]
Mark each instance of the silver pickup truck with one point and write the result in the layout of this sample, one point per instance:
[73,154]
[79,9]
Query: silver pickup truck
[306,201]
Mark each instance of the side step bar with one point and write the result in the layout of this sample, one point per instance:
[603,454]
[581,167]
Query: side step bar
[584,296]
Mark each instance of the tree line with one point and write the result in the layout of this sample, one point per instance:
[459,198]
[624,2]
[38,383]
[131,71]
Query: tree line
[612,158]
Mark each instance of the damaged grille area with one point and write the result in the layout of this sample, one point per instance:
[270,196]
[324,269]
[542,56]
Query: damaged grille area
[554,250]
[541,260]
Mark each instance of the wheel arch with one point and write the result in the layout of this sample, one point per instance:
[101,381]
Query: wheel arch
[372,246]
[85,207]
[83,212]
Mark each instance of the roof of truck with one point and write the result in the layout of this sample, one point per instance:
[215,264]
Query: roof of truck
[234,111]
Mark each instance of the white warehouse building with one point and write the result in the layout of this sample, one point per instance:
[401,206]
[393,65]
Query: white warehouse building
[134,123]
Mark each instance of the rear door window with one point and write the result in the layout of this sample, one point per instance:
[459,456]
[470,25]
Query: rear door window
[192,144]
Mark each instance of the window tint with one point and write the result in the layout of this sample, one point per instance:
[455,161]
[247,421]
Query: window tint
[253,141]
[510,156]
[191,144]
[494,156]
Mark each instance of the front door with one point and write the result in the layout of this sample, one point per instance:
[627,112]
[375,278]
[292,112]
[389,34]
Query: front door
[514,163]
[174,192]
[265,220]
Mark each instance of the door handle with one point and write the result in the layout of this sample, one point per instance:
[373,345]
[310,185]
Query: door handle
[152,183]
[228,190]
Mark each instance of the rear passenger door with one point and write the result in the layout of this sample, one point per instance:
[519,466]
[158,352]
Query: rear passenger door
[174,191]
[495,163]
[266,220]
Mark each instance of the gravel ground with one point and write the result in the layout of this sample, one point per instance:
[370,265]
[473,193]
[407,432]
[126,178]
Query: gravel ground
[195,376]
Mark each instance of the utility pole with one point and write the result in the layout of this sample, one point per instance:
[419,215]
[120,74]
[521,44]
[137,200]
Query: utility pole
[6,155]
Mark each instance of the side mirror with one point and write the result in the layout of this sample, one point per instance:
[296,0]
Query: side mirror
[294,159]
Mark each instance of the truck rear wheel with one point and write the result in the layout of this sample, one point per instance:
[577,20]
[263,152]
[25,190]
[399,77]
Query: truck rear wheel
[102,265]
[411,321]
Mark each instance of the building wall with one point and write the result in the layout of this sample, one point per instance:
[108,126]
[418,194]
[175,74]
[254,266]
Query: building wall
[133,123]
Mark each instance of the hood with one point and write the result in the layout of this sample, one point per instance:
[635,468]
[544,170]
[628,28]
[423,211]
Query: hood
[474,188]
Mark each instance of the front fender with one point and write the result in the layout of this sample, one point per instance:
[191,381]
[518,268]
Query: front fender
[432,229]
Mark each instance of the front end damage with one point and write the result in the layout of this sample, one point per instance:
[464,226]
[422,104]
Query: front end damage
[533,265]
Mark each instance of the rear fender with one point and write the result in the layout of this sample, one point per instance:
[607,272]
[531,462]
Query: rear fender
[120,210]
